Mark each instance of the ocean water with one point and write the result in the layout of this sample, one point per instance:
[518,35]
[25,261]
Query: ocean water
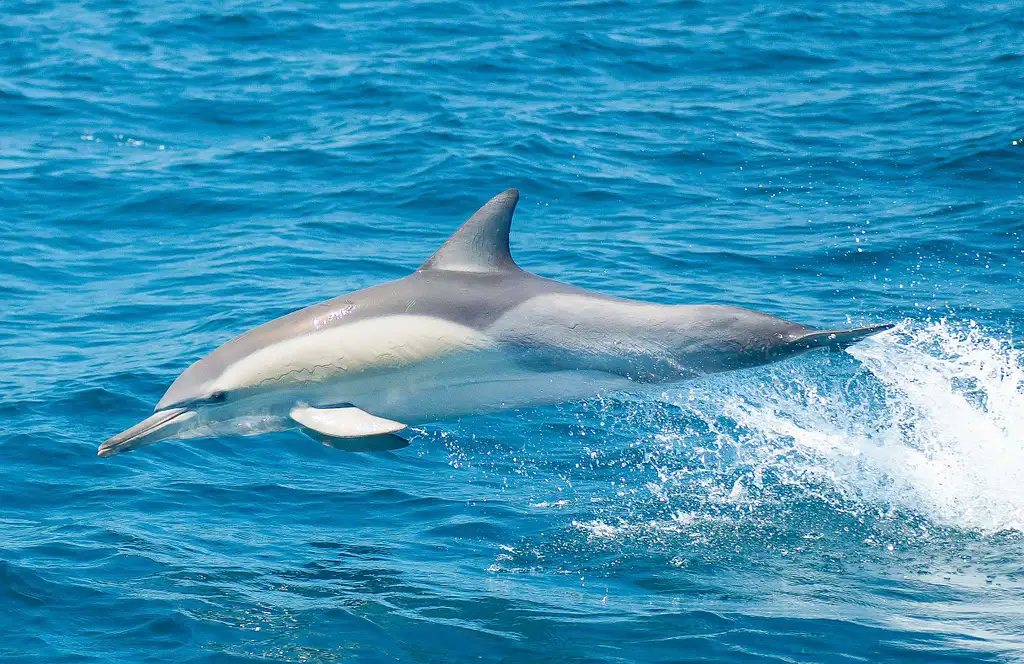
[174,173]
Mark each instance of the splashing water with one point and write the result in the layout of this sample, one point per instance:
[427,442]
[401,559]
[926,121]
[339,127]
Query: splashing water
[934,426]
[909,435]
[911,439]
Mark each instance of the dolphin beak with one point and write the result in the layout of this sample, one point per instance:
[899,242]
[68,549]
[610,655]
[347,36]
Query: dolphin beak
[158,426]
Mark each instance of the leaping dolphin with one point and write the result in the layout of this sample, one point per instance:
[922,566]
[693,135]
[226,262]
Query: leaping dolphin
[469,332]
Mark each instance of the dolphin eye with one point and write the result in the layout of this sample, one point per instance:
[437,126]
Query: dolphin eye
[218,397]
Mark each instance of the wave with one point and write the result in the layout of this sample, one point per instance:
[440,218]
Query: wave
[929,422]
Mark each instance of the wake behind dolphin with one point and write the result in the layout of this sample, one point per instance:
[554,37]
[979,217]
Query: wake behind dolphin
[468,333]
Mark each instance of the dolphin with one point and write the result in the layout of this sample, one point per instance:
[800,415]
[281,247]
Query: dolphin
[468,333]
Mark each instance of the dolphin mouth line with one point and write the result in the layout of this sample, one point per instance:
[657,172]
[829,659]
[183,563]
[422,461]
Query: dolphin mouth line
[144,432]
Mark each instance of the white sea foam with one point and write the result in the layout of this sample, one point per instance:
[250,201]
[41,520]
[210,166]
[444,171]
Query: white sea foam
[935,426]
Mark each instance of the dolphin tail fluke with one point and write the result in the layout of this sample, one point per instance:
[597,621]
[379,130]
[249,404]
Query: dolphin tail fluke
[839,339]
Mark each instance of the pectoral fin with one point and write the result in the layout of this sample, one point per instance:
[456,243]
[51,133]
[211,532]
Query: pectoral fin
[343,422]
[380,443]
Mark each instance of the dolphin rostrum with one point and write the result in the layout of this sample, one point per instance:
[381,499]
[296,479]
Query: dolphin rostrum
[469,332]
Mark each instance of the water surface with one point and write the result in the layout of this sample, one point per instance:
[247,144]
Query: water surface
[172,174]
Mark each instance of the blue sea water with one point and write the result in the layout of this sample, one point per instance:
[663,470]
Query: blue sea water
[174,173]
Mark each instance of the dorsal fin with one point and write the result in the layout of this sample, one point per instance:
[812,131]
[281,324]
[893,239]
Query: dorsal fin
[480,244]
